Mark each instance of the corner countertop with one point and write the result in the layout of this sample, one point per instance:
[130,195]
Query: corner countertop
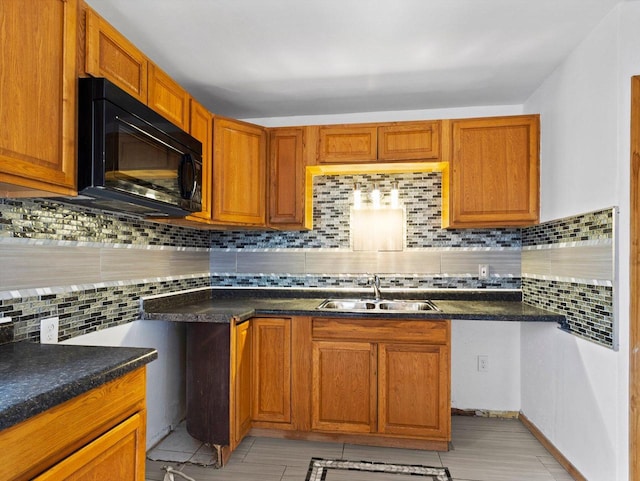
[220,305]
[36,377]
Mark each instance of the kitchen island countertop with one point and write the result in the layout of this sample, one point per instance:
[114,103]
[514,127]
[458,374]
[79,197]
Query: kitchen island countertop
[36,377]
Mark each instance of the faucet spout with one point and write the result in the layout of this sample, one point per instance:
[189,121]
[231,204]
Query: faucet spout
[375,283]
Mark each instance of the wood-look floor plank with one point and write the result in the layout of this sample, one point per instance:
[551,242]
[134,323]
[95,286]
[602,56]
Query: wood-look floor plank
[484,449]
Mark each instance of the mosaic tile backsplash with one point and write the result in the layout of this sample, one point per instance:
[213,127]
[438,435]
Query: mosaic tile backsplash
[51,220]
[323,258]
[103,290]
[81,239]
[578,281]
[87,310]
[421,194]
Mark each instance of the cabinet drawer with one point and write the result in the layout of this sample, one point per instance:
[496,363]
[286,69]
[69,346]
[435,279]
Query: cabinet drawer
[432,332]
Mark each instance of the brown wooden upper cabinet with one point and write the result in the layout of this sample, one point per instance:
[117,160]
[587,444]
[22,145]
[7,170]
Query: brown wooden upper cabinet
[38,97]
[239,172]
[109,54]
[346,144]
[167,97]
[409,141]
[287,178]
[201,127]
[494,175]
[365,143]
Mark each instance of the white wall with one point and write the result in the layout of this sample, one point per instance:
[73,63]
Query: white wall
[574,391]
[498,389]
[165,376]
[391,116]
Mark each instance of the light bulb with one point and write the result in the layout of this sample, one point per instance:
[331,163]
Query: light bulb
[395,195]
[375,196]
[357,196]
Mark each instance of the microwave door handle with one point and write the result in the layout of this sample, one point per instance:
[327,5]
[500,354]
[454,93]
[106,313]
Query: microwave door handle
[187,182]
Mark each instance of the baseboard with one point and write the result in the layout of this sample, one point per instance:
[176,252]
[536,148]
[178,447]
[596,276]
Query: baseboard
[564,462]
[485,413]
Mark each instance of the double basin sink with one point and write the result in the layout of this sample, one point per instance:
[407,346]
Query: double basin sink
[377,305]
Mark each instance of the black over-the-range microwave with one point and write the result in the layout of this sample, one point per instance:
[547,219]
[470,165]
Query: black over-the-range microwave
[131,159]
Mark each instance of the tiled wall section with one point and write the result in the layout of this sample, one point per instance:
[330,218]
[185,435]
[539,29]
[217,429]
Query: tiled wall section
[44,219]
[568,267]
[322,257]
[28,264]
[87,267]
[350,281]
[86,310]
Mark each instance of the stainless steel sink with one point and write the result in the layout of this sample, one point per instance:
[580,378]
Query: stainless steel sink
[407,306]
[377,304]
[347,304]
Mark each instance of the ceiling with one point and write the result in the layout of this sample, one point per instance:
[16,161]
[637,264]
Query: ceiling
[275,58]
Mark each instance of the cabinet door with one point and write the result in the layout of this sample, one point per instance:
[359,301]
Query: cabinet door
[167,97]
[118,454]
[242,383]
[344,387]
[271,399]
[286,178]
[38,97]
[409,141]
[413,390]
[109,54]
[239,172]
[201,127]
[494,172]
[347,144]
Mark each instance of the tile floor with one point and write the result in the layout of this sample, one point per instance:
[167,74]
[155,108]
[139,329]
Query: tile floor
[484,449]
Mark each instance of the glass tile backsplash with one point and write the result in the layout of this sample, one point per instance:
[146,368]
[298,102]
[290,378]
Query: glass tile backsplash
[431,257]
[568,268]
[58,245]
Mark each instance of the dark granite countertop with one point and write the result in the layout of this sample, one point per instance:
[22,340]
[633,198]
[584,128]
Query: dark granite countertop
[221,305]
[37,377]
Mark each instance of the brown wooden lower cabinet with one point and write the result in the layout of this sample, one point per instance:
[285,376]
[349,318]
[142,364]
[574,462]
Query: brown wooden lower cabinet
[271,381]
[344,387]
[96,436]
[114,455]
[370,381]
[241,380]
[383,377]
[413,390]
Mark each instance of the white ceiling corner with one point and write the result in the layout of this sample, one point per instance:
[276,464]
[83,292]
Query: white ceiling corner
[276,58]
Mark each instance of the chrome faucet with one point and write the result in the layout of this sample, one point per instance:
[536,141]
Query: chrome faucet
[375,283]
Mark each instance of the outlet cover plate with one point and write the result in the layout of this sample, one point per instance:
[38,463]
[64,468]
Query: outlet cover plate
[49,330]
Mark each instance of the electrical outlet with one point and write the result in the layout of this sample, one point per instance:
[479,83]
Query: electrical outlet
[483,363]
[49,330]
[483,271]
